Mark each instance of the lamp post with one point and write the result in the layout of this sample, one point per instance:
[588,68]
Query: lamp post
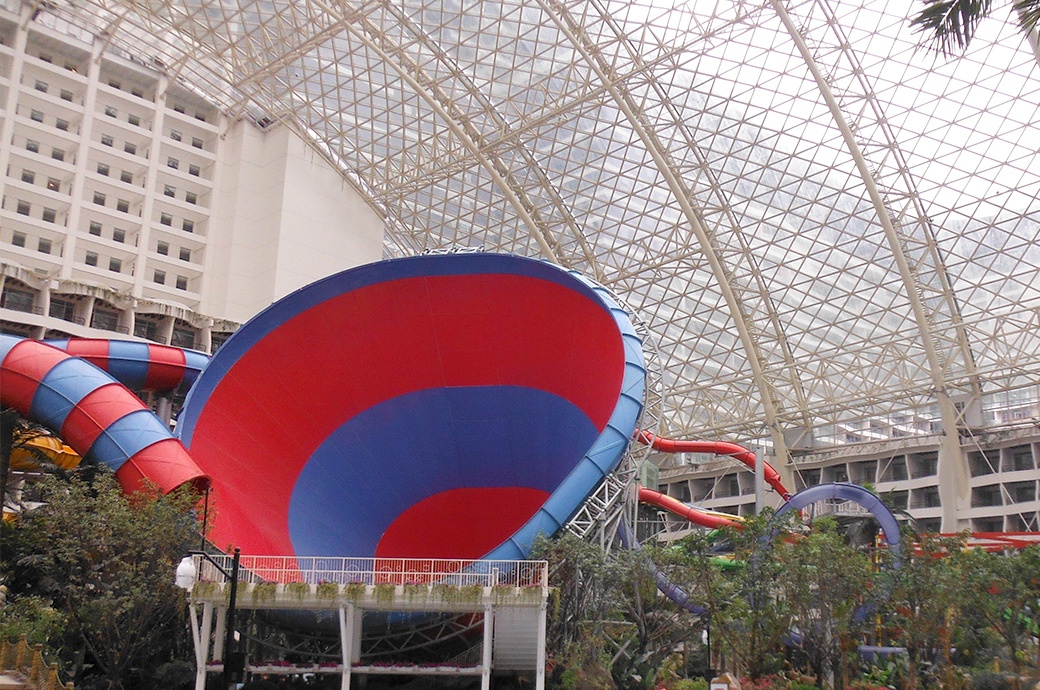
[233,665]
[234,662]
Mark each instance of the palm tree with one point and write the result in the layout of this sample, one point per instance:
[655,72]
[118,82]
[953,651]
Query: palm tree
[951,24]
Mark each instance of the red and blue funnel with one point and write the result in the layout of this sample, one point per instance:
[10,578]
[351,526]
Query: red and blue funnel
[449,406]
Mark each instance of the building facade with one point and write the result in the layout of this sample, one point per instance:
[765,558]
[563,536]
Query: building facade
[133,208]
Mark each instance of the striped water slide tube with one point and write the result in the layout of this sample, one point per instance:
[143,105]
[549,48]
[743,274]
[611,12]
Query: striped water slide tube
[139,366]
[99,417]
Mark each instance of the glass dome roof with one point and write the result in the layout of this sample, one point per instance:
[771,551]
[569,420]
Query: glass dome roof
[819,221]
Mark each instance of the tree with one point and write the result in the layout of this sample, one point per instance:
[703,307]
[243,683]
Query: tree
[608,625]
[1002,590]
[951,24]
[747,620]
[924,604]
[106,561]
[826,583]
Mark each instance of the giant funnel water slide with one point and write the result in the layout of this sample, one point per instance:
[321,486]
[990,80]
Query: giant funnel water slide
[450,406]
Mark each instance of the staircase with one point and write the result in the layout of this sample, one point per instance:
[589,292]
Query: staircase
[515,638]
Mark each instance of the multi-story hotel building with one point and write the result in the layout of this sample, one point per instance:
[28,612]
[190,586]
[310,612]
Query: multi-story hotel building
[133,208]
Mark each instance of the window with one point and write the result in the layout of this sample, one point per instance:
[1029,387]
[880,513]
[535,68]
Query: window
[169,190]
[200,116]
[182,283]
[159,277]
[126,176]
[175,135]
[49,215]
[183,337]
[44,246]
[137,92]
[54,184]
[95,228]
[196,142]
[185,254]
[111,111]
[23,208]
[123,205]
[179,109]
[135,120]
[19,300]
[91,259]
[162,248]
[114,84]
[41,86]
[102,169]
[118,235]
[63,125]
[72,67]
[58,154]
[106,140]
[173,163]
[146,328]
[99,198]
[166,219]
[36,116]
[28,176]
[188,226]
[191,197]
[115,265]
[104,319]
[130,148]
[66,95]
[45,58]
[18,239]
[194,170]
[63,309]
[32,146]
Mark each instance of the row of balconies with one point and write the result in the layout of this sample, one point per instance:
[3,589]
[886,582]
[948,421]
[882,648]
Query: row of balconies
[126,86]
[112,267]
[130,317]
[120,172]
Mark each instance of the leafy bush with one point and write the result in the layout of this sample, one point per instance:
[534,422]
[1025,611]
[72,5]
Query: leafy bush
[691,684]
[987,680]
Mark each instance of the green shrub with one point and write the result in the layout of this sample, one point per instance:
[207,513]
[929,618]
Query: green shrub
[691,684]
[987,680]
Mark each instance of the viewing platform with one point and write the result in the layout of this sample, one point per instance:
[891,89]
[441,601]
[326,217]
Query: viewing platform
[510,596]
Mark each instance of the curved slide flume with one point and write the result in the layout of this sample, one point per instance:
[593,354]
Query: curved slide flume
[737,452]
[137,365]
[99,418]
[703,518]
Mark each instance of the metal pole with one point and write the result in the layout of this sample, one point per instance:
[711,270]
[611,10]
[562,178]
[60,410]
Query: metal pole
[229,636]
[205,521]
[760,481]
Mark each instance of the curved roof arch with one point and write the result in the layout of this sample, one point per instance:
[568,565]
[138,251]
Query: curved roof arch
[819,220]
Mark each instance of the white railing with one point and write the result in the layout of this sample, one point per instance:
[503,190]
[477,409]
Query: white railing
[373,571]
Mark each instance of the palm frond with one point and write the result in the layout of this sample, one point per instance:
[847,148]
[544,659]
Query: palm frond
[1028,12]
[951,24]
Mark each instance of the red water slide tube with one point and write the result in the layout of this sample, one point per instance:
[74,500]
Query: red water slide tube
[677,507]
[97,416]
[670,445]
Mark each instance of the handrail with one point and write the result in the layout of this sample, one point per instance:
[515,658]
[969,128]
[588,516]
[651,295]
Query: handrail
[348,570]
[27,660]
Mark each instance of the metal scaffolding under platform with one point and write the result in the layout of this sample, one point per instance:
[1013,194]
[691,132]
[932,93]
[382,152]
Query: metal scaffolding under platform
[510,596]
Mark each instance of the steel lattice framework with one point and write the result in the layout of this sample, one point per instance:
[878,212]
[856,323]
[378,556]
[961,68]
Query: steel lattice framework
[819,220]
